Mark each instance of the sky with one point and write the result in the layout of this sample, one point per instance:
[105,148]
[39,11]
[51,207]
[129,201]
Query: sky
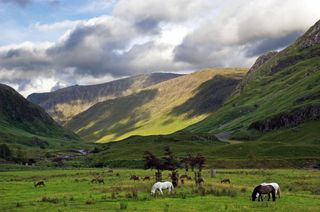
[50,44]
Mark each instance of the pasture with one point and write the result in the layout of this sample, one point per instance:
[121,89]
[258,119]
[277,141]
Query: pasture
[72,190]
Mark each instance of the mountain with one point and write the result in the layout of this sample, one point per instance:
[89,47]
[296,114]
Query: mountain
[278,100]
[63,104]
[22,122]
[162,108]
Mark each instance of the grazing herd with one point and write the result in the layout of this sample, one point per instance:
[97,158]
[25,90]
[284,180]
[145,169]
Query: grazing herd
[259,192]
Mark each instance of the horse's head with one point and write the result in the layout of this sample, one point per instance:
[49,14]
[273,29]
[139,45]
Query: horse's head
[255,193]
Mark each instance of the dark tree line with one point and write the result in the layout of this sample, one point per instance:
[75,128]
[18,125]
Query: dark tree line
[170,162]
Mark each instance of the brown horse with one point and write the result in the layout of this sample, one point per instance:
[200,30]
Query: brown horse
[134,177]
[39,183]
[226,181]
[146,178]
[97,180]
[260,190]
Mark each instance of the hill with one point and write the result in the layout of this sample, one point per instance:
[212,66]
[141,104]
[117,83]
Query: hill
[63,104]
[24,123]
[279,98]
[162,108]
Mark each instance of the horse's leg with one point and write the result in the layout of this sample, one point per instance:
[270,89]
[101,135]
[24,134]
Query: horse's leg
[268,196]
[160,191]
[273,196]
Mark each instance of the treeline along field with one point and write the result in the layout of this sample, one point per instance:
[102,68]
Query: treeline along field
[72,190]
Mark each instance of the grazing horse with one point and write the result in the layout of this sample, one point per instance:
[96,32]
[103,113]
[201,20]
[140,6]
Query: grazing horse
[134,177]
[97,180]
[183,176]
[261,190]
[161,185]
[146,178]
[275,186]
[40,183]
[226,181]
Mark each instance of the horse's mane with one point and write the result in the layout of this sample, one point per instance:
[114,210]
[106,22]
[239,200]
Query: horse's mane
[255,190]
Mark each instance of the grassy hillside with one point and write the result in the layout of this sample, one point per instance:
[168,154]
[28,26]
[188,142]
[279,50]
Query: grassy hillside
[278,95]
[24,123]
[65,103]
[159,109]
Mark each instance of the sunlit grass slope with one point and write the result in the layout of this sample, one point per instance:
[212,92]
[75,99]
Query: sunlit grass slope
[159,109]
[273,93]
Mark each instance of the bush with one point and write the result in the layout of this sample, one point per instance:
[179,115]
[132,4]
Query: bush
[123,205]
[18,205]
[5,152]
[243,190]
[90,202]
[50,200]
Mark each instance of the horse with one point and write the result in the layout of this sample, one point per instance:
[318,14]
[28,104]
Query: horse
[134,177]
[97,180]
[275,186]
[226,181]
[161,185]
[40,183]
[199,181]
[146,178]
[263,189]
[184,176]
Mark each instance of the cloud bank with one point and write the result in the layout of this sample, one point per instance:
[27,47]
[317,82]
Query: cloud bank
[153,36]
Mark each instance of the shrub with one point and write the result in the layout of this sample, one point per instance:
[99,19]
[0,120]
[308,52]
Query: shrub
[123,205]
[243,190]
[18,205]
[114,195]
[90,202]
[50,200]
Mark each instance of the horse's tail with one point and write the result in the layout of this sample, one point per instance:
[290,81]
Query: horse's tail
[278,192]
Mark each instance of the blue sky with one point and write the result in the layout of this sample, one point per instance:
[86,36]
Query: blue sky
[50,44]
[19,19]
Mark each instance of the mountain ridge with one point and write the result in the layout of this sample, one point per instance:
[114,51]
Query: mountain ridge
[67,102]
[162,108]
[281,89]
[22,122]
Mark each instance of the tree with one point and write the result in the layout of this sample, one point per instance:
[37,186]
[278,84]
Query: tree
[152,162]
[5,152]
[197,164]
[171,163]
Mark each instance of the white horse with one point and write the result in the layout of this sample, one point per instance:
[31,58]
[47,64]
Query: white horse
[275,186]
[161,185]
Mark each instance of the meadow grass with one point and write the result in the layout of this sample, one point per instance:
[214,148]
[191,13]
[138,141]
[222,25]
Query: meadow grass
[71,190]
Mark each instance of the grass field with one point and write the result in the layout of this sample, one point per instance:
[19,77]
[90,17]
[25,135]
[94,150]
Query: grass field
[71,190]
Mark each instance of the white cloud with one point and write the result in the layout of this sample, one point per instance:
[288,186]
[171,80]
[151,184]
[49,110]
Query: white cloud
[151,36]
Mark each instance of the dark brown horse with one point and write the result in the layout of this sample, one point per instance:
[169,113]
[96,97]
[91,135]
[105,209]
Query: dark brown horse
[260,190]
[226,181]
[134,177]
[39,183]
[146,178]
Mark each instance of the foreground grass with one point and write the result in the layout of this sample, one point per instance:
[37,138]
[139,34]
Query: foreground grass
[71,190]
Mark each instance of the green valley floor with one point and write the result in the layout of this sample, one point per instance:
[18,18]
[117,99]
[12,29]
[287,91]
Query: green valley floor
[72,190]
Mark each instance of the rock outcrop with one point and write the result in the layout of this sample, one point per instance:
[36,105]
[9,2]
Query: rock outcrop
[288,119]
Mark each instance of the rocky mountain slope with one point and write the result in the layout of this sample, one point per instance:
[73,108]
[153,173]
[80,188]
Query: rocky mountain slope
[279,98]
[162,108]
[65,103]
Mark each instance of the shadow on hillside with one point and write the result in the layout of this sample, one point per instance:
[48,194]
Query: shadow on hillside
[121,111]
[208,97]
